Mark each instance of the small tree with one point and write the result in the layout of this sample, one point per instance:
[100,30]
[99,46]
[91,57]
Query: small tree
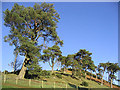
[96,68]
[51,55]
[100,72]
[91,67]
[16,63]
[104,66]
[81,55]
[73,63]
[63,60]
[112,68]
[86,63]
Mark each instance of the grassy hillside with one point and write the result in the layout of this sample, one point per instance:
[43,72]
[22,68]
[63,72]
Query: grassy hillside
[52,82]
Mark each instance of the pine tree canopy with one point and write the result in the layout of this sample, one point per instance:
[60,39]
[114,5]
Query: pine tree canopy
[29,24]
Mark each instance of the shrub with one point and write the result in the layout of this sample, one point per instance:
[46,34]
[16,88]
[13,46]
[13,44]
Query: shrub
[47,76]
[59,76]
[53,74]
[6,72]
[69,69]
[45,73]
[84,83]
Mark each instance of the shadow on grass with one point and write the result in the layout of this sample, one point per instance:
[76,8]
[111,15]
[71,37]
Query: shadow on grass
[64,74]
[67,75]
[72,85]
[77,87]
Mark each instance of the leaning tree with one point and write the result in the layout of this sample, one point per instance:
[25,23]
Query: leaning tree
[28,27]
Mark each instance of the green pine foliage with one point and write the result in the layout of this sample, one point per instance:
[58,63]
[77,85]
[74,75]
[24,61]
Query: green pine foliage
[84,83]
[51,55]
[27,26]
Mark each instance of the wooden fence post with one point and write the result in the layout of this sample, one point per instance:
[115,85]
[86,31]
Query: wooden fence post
[16,81]
[29,82]
[42,83]
[54,84]
[4,78]
[66,85]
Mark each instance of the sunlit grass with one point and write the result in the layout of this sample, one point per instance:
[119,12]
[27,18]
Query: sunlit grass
[51,82]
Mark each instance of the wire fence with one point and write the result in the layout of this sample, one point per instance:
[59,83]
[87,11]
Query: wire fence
[31,83]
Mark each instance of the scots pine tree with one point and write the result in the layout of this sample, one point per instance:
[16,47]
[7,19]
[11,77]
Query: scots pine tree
[51,55]
[81,55]
[29,27]
[112,68]
[104,67]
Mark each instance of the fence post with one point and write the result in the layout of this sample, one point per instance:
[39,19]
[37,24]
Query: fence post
[54,84]
[4,78]
[16,80]
[42,83]
[29,82]
[66,85]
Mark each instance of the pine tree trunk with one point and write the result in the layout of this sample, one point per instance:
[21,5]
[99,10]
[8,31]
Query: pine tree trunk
[64,69]
[102,79]
[15,63]
[111,84]
[85,73]
[72,71]
[52,69]
[75,71]
[96,75]
[91,75]
[80,72]
[22,71]
[58,66]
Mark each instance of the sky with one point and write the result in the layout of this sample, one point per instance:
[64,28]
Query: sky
[83,25]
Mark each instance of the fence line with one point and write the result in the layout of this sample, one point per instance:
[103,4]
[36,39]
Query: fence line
[35,83]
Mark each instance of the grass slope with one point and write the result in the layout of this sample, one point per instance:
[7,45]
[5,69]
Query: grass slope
[52,82]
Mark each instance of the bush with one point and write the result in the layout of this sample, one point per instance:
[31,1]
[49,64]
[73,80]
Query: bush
[94,75]
[17,72]
[6,72]
[47,76]
[45,73]
[69,69]
[59,76]
[53,74]
[84,83]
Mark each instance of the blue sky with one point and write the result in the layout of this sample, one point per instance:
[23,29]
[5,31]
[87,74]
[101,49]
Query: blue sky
[91,25]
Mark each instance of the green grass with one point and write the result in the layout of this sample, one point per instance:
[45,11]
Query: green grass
[59,83]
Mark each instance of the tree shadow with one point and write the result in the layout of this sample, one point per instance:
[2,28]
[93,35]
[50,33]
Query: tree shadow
[63,74]
[72,85]
[77,87]
[74,77]
[81,88]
